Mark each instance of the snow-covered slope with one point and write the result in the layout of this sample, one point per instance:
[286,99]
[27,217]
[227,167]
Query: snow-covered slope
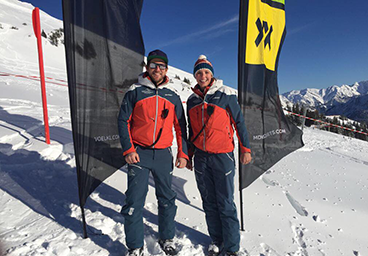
[313,202]
[17,41]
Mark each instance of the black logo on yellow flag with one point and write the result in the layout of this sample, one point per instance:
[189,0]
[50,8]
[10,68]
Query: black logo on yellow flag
[266,23]
[263,26]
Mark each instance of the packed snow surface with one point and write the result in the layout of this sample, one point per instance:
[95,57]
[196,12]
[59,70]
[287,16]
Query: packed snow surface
[313,202]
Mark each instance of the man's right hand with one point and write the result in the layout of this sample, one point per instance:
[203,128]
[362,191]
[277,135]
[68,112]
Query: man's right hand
[132,158]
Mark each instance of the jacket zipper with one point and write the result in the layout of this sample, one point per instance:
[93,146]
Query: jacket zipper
[204,130]
[154,131]
[228,131]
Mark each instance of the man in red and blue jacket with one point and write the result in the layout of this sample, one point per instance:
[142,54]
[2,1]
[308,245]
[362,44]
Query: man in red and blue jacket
[149,111]
[213,111]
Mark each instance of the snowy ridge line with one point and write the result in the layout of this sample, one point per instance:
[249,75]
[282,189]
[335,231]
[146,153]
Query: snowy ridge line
[323,122]
[37,78]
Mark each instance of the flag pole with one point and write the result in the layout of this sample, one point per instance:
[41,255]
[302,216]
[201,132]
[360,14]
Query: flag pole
[241,194]
[241,55]
[84,223]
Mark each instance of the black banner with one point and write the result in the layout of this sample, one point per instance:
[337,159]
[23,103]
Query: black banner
[271,135]
[104,53]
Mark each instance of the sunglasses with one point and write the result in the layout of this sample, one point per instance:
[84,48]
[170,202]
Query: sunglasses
[153,65]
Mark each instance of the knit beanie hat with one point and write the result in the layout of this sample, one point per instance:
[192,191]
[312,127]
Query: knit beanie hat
[202,63]
[157,54]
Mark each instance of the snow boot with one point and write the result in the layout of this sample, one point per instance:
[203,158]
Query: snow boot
[168,246]
[232,254]
[214,249]
[135,252]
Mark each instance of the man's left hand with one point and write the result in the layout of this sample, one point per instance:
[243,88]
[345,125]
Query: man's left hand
[245,158]
[180,162]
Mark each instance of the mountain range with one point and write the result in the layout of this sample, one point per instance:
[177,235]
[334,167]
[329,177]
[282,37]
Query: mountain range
[347,100]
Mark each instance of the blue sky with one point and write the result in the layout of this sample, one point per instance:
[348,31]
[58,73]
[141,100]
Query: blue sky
[326,42]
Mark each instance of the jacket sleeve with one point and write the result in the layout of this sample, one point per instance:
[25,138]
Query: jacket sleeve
[238,121]
[190,145]
[124,121]
[180,126]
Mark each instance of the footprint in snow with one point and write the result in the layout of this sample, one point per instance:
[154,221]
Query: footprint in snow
[269,182]
[296,205]
[298,236]
[268,251]
[316,218]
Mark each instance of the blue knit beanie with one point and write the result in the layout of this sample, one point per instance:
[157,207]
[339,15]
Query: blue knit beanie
[203,63]
[157,54]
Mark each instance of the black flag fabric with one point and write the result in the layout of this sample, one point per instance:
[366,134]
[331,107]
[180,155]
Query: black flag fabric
[271,135]
[104,54]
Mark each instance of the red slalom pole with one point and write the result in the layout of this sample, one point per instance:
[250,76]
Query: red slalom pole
[37,31]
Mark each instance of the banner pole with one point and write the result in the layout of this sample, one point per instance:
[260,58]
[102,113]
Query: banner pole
[304,115]
[241,55]
[240,194]
[37,30]
[241,211]
[84,223]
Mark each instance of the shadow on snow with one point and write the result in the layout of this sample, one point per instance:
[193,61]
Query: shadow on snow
[50,187]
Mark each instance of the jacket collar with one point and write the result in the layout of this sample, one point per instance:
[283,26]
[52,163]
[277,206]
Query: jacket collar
[145,80]
[210,89]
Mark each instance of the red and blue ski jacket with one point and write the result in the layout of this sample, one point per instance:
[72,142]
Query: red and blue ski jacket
[147,117]
[212,116]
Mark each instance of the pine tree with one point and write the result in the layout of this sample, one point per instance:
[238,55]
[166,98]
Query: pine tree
[186,80]
[55,35]
[43,34]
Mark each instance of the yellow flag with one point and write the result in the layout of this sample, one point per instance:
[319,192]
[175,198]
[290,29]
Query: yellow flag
[265,28]
[271,135]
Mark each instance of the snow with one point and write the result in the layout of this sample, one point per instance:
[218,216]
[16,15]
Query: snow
[329,97]
[313,202]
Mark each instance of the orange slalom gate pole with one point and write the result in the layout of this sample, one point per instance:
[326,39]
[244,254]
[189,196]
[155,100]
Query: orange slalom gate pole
[37,31]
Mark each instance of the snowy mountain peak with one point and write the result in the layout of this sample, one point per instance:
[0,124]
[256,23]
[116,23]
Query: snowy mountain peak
[326,100]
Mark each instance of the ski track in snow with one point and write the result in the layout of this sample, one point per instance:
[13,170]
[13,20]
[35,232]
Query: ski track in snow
[294,203]
[298,230]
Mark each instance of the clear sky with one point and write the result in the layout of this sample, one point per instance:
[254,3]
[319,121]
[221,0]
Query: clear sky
[326,42]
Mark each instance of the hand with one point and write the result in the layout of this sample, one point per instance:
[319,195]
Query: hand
[245,158]
[132,158]
[181,162]
[189,165]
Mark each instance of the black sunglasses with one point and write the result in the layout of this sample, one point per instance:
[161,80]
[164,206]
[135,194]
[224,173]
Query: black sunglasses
[153,65]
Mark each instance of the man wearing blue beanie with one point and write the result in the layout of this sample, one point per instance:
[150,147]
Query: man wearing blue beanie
[149,111]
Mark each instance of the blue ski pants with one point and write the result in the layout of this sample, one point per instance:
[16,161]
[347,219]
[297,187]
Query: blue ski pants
[160,163]
[215,180]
